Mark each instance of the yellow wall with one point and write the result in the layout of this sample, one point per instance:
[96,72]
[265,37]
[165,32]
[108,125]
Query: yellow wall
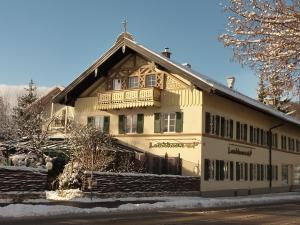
[177,95]
[217,148]
[180,95]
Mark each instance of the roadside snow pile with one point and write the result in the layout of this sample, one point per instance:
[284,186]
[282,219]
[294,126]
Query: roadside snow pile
[70,194]
[21,210]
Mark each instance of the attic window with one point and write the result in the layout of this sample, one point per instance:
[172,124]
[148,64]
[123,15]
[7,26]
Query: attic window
[117,84]
[151,80]
[133,82]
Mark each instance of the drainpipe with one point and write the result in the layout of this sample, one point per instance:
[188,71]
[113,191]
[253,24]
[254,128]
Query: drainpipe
[270,153]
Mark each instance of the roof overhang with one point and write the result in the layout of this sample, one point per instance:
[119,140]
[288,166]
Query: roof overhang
[69,95]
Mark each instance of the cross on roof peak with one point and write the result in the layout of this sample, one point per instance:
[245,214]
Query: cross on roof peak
[125,24]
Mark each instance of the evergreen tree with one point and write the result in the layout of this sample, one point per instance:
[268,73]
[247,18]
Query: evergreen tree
[261,91]
[28,119]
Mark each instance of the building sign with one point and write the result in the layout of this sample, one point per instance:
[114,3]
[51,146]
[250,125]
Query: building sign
[167,144]
[239,150]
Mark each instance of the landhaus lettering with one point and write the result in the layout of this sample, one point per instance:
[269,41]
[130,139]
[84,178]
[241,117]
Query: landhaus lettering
[239,150]
[173,145]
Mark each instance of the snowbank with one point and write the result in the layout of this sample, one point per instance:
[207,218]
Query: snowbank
[21,210]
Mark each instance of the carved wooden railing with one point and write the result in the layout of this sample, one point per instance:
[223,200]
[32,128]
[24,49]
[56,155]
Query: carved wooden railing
[129,98]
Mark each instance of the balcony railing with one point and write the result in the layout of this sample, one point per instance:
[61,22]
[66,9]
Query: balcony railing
[129,98]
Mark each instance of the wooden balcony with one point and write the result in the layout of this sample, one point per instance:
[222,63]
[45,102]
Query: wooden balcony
[130,98]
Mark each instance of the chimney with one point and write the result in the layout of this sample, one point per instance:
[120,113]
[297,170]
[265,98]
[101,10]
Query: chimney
[230,82]
[166,53]
[187,65]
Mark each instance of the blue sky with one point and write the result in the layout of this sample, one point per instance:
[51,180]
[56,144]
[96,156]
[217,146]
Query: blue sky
[53,41]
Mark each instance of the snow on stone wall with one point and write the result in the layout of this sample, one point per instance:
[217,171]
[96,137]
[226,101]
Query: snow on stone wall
[118,182]
[22,179]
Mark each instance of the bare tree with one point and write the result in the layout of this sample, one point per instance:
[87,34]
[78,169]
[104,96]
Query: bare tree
[265,35]
[6,127]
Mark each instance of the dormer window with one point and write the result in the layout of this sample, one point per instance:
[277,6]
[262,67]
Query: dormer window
[133,82]
[151,80]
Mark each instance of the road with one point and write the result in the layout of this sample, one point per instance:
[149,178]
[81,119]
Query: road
[280,214]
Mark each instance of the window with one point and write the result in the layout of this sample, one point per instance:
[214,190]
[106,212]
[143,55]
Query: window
[220,169]
[169,122]
[218,125]
[131,123]
[274,140]
[291,144]
[133,82]
[151,80]
[209,169]
[99,122]
[117,84]
[297,145]
[241,131]
[283,142]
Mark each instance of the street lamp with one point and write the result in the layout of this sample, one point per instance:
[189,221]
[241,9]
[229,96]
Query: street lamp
[270,153]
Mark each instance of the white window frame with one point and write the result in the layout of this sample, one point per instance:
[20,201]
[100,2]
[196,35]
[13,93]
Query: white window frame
[131,124]
[98,122]
[151,80]
[166,125]
[133,82]
[117,84]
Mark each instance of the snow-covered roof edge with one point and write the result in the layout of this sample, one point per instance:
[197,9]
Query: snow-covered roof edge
[222,88]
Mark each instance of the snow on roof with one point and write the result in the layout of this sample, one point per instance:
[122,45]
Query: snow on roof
[222,88]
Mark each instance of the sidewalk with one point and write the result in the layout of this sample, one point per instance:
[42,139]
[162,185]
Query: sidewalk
[78,205]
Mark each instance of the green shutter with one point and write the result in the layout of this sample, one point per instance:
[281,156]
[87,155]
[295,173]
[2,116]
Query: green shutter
[179,121]
[90,121]
[157,123]
[140,123]
[106,124]
[121,124]
[207,122]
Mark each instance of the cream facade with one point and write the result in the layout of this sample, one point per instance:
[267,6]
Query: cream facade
[162,108]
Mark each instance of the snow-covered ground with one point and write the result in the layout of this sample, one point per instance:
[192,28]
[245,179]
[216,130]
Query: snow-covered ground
[21,210]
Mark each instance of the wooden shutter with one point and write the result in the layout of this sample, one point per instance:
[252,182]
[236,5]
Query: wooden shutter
[231,129]
[91,121]
[121,124]
[206,169]
[245,132]
[207,122]
[251,134]
[140,123]
[222,126]
[231,170]
[157,122]
[179,121]
[217,125]
[238,131]
[106,121]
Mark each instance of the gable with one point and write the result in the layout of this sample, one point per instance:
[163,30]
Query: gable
[137,66]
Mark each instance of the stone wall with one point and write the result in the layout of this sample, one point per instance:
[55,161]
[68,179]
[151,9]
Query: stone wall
[22,179]
[104,182]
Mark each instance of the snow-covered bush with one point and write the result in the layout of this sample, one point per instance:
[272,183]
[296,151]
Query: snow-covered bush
[71,177]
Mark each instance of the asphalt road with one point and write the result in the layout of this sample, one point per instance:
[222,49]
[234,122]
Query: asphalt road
[280,214]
